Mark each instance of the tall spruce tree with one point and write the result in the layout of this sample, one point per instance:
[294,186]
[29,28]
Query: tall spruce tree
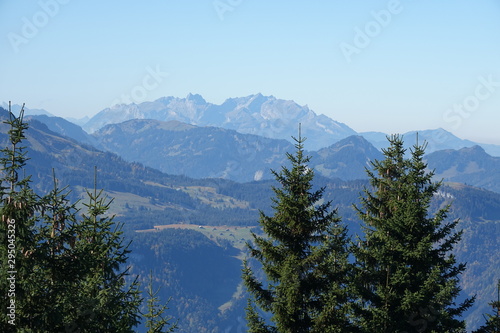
[18,204]
[303,254]
[57,266]
[406,276]
[105,301]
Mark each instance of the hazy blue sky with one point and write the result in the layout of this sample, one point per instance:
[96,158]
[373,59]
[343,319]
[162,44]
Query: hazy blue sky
[390,66]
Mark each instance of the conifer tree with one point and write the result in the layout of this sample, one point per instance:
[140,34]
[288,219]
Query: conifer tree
[303,254]
[406,277]
[38,244]
[106,302]
[492,324]
[60,273]
[18,204]
[155,320]
[57,266]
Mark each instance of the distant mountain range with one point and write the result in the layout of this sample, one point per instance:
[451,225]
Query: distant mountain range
[471,166]
[27,111]
[207,152]
[266,116]
[66,128]
[437,139]
[260,115]
[255,114]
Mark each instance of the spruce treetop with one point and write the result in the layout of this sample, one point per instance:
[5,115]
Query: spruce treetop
[303,255]
[407,277]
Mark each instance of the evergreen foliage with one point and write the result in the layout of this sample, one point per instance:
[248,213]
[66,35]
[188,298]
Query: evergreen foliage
[406,277]
[60,272]
[18,254]
[55,267]
[304,256]
[155,322]
[109,303]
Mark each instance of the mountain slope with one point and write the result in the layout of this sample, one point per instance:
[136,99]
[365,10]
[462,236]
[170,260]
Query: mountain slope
[138,190]
[204,152]
[66,128]
[437,139]
[255,114]
[467,165]
[346,159]
[27,111]
[208,152]
[198,152]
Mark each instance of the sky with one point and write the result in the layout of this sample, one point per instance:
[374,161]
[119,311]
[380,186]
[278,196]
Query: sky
[389,66]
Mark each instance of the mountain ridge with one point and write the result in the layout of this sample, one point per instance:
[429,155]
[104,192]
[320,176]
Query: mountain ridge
[470,165]
[260,115]
[266,116]
[66,128]
[178,148]
[254,114]
[341,165]
[436,139]
[207,152]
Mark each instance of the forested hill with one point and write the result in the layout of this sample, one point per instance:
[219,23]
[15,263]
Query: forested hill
[178,148]
[201,152]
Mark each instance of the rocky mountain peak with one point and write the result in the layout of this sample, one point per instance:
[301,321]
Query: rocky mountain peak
[254,114]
